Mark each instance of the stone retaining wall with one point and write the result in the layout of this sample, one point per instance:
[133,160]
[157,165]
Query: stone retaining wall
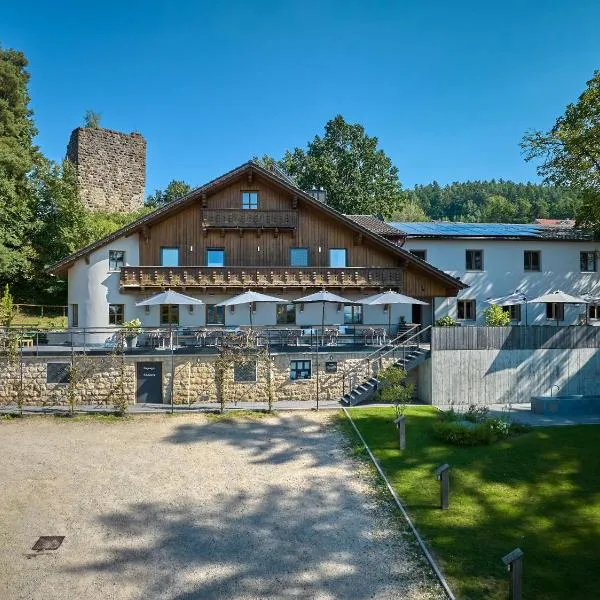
[195,379]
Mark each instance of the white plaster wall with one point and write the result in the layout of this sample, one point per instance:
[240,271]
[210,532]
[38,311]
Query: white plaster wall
[503,273]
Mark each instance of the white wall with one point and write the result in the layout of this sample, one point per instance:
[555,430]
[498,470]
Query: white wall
[504,273]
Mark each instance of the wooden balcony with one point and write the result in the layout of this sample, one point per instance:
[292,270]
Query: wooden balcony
[136,278]
[249,219]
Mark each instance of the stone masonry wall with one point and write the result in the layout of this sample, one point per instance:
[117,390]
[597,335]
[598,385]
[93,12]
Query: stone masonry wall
[111,168]
[195,380]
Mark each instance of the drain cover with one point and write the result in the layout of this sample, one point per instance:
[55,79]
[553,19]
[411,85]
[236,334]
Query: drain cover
[48,542]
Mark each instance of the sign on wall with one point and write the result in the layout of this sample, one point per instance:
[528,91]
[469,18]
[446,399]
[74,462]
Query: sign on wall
[331,367]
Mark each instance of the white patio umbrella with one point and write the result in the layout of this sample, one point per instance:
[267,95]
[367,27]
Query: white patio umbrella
[323,296]
[249,298]
[390,297]
[559,297]
[510,300]
[170,297]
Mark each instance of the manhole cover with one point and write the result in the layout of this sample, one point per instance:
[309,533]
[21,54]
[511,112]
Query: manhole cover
[48,542]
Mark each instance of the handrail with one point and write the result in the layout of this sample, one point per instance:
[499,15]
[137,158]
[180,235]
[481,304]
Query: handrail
[383,351]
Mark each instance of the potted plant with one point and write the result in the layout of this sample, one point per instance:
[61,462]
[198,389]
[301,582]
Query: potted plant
[130,330]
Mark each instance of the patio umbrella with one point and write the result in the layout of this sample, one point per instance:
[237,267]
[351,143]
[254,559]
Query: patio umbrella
[390,297]
[559,297]
[248,298]
[170,297]
[323,296]
[510,300]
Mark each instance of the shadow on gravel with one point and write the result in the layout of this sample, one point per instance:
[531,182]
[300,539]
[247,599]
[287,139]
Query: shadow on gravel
[274,543]
[278,442]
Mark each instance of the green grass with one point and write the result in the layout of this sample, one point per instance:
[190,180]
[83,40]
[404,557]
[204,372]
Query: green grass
[539,491]
[41,322]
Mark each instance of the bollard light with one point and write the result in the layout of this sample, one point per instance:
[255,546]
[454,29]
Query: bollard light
[442,474]
[400,423]
[514,562]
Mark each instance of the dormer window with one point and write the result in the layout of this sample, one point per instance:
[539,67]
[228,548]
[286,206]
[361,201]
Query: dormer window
[249,200]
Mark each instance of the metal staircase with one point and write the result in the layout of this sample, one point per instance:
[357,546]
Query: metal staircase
[407,352]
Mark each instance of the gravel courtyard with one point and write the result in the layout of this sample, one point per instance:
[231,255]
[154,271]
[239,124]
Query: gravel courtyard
[187,507]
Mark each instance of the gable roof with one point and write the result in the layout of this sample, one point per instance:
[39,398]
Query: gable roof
[376,225]
[222,181]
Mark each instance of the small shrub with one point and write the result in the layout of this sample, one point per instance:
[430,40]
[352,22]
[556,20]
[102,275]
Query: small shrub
[476,414]
[494,316]
[520,428]
[446,321]
[473,433]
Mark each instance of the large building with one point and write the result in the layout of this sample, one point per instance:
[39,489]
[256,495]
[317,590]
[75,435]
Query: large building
[495,260]
[248,229]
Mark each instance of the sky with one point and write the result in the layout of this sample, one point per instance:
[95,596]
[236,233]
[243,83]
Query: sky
[449,88]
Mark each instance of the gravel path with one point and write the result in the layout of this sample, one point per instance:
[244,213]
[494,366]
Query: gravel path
[188,507]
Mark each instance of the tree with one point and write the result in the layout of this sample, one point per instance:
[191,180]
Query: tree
[394,389]
[570,151]
[499,209]
[173,191]
[357,176]
[411,211]
[494,316]
[18,157]
[7,309]
[92,119]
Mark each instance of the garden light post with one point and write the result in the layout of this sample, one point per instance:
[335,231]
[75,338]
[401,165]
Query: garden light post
[442,474]
[401,424]
[514,562]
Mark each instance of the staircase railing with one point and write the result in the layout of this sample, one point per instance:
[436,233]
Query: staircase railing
[363,370]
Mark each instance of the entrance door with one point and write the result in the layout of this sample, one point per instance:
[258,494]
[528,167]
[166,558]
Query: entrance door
[149,382]
[417,313]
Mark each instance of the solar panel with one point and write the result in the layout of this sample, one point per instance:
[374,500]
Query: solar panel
[469,229]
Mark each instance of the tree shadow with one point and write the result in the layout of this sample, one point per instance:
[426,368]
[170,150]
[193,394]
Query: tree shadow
[315,541]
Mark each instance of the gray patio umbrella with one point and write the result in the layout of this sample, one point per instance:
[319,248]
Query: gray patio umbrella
[510,300]
[248,298]
[390,297]
[559,297]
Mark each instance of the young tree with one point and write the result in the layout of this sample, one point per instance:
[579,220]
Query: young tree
[92,119]
[7,310]
[358,177]
[570,151]
[394,389]
[175,189]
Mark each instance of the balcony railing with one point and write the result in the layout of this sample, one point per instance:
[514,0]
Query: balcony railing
[243,277]
[252,219]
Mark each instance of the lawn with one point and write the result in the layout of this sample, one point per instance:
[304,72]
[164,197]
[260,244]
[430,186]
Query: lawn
[539,491]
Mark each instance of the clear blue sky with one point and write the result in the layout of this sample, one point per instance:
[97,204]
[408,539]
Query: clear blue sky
[448,87]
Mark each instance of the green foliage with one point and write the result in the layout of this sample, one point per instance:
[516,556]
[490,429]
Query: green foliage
[494,316]
[359,178]
[570,151]
[446,321]
[7,310]
[92,119]
[410,211]
[175,189]
[495,201]
[476,414]
[393,388]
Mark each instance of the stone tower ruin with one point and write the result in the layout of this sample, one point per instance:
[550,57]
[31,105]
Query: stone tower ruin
[111,168]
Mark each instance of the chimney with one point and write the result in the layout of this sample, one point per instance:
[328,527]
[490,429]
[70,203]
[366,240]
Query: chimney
[319,194]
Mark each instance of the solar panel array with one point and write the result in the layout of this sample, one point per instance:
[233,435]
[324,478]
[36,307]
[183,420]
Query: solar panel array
[469,229]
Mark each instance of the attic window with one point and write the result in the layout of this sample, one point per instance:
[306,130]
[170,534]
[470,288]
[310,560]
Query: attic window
[249,200]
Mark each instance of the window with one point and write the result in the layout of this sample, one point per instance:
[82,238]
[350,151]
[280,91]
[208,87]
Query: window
[215,315]
[169,257]
[116,314]
[587,262]
[338,257]
[169,314]
[215,257]
[74,315]
[299,257]
[514,311]
[300,369]
[422,254]
[250,200]
[244,372]
[465,310]
[353,314]
[58,372]
[594,311]
[555,311]
[531,260]
[286,314]
[474,260]
[116,260]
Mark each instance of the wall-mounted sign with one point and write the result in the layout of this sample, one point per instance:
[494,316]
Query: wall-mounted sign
[331,367]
